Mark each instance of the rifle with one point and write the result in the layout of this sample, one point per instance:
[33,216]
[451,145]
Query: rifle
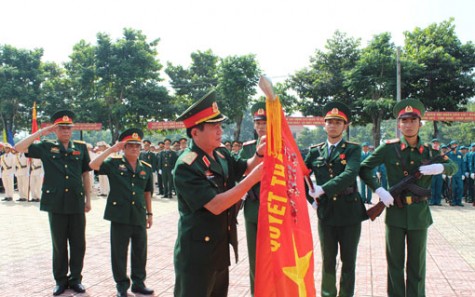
[406,183]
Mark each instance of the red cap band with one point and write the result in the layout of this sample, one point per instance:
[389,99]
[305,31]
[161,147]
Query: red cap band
[336,113]
[409,109]
[202,116]
[63,120]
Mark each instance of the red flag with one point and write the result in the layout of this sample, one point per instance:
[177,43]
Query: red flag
[34,123]
[284,253]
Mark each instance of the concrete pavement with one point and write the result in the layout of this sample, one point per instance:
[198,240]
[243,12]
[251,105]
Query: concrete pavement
[25,257]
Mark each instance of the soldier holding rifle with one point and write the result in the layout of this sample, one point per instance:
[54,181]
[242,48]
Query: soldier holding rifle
[410,219]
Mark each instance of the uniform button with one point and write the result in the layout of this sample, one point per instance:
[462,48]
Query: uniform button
[133,193]
[66,154]
[66,190]
[229,228]
[207,238]
[121,173]
[65,165]
[133,175]
[412,162]
[334,198]
[132,184]
[133,202]
[47,191]
[331,175]
[412,149]
[114,203]
[67,177]
[330,164]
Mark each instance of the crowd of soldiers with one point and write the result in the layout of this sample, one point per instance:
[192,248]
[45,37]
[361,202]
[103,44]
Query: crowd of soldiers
[223,176]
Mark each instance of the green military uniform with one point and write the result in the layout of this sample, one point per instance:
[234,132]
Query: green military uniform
[409,223]
[340,210]
[251,204]
[201,256]
[167,159]
[63,197]
[126,209]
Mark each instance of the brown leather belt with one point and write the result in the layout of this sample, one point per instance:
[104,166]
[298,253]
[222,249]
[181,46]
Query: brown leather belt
[408,200]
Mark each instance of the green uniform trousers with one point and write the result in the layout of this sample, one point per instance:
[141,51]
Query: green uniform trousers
[64,228]
[251,211]
[121,235]
[348,238]
[217,283]
[167,179]
[416,261]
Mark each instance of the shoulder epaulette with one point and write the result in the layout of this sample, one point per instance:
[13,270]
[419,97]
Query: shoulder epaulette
[145,163]
[50,140]
[79,141]
[395,140]
[352,142]
[116,156]
[249,142]
[220,155]
[189,158]
[315,145]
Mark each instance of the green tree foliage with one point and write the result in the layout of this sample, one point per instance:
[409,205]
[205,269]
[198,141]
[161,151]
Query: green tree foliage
[323,81]
[20,80]
[444,74]
[118,83]
[237,80]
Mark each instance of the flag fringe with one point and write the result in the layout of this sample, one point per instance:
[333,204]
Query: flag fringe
[274,121]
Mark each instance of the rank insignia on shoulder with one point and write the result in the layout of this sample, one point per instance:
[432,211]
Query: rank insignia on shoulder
[189,158]
[220,155]
[79,141]
[145,163]
[315,145]
[249,142]
[395,140]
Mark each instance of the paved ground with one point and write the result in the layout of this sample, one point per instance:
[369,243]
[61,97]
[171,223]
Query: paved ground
[25,257]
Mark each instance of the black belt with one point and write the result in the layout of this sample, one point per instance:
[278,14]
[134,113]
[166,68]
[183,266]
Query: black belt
[408,200]
[347,191]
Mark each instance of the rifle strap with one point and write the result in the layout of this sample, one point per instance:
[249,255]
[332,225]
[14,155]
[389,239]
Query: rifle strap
[403,163]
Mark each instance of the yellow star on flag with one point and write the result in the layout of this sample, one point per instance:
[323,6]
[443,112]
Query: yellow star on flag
[298,272]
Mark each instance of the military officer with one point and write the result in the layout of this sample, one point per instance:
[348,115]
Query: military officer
[457,178]
[8,170]
[183,145]
[335,164]
[161,146]
[129,208]
[167,161]
[471,169]
[65,196]
[437,181]
[36,179]
[149,157]
[205,179]
[407,224]
[251,204]
[22,174]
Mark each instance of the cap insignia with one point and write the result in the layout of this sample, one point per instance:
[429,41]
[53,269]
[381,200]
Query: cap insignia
[65,118]
[215,107]
[135,135]
[335,111]
[409,109]
[260,111]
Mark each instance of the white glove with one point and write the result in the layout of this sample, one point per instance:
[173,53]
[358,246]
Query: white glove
[472,175]
[378,174]
[467,174]
[317,191]
[433,169]
[463,177]
[385,196]
[314,205]
[444,176]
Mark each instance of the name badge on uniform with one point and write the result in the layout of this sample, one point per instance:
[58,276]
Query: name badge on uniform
[143,172]
[76,153]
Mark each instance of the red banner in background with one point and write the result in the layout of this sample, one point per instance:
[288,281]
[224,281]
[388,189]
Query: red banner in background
[81,126]
[165,125]
[449,116]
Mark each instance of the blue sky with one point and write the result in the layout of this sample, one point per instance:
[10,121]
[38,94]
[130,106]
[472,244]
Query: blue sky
[282,34]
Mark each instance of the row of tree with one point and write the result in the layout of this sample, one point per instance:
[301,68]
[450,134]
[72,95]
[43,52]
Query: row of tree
[120,84]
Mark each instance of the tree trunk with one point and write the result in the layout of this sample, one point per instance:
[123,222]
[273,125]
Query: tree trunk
[436,130]
[237,132]
[377,130]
